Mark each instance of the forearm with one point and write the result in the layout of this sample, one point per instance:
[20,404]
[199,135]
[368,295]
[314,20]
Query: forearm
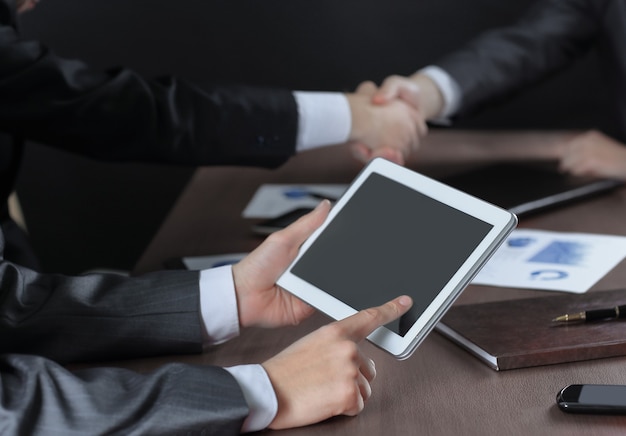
[41,397]
[432,98]
[550,36]
[120,115]
[475,147]
[98,317]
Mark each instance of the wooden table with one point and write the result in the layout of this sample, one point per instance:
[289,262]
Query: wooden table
[441,389]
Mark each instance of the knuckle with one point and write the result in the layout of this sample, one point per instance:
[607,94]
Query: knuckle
[348,394]
[334,329]
[373,314]
[278,237]
[338,335]
[392,80]
[347,352]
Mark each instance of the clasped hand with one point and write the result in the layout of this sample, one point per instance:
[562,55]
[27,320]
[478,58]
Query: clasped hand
[391,129]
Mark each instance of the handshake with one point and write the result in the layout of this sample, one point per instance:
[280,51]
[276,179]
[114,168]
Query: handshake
[389,121]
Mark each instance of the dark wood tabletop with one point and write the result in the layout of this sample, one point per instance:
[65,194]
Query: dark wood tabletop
[440,389]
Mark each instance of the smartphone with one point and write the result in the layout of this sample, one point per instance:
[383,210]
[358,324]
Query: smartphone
[280,222]
[589,398]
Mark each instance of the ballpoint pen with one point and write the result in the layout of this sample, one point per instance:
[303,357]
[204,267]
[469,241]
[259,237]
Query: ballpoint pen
[593,315]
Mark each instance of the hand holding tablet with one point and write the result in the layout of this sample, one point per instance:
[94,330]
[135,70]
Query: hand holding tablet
[396,232]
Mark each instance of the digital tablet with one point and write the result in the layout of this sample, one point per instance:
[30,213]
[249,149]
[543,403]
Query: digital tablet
[396,232]
[530,188]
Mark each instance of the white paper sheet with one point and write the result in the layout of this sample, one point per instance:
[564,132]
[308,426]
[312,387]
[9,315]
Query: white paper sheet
[554,261]
[272,200]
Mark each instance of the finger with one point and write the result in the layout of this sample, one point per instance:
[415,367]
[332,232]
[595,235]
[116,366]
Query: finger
[391,154]
[410,93]
[417,117]
[365,388]
[422,126]
[359,402]
[564,164]
[361,152]
[366,88]
[358,326]
[367,367]
[304,226]
[567,162]
[388,91]
[397,87]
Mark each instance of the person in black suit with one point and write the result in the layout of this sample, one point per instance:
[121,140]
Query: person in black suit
[48,320]
[504,61]
[119,115]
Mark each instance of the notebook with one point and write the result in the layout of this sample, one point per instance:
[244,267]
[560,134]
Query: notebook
[520,333]
[525,188]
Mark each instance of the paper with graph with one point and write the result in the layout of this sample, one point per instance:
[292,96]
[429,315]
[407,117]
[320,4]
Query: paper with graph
[556,261]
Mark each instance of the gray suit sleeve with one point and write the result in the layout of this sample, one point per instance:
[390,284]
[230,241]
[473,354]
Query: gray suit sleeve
[499,63]
[39,397]
[45,317]
[98,317]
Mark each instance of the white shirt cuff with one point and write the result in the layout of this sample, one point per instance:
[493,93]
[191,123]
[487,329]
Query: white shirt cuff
[449,89]
[324,119]
[259,394]
[218,305]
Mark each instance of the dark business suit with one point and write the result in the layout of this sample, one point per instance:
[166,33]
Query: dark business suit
[549,37]
[50,319]
[118,115]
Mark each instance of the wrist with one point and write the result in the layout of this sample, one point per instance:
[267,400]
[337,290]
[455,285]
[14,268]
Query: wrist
[242,315]
[431,98]
[360,115]
[259,394]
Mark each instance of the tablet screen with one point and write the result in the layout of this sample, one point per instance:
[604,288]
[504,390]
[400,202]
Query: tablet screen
[389,240]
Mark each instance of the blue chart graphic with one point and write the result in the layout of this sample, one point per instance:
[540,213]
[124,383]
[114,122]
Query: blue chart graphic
[520,242]
[562,253]
[548,274]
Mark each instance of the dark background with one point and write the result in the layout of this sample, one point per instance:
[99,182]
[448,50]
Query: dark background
[84,214]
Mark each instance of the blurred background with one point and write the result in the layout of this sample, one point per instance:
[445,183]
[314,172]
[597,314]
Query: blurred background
[83,214]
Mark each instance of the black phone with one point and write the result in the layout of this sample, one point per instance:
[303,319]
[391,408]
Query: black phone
[280,222]
[591,398]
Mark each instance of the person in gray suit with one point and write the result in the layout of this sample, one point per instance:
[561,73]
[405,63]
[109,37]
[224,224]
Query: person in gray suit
[47,320]
[549,37]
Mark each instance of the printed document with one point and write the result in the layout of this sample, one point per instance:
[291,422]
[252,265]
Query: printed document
[554,261]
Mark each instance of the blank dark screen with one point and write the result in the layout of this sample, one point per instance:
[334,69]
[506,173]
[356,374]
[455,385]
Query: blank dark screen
[390,240]
[594,395]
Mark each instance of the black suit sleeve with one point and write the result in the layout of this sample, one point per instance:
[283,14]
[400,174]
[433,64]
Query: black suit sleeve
[119,115]
[550,36]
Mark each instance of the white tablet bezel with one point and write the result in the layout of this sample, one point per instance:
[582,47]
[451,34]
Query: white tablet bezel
[502,221]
